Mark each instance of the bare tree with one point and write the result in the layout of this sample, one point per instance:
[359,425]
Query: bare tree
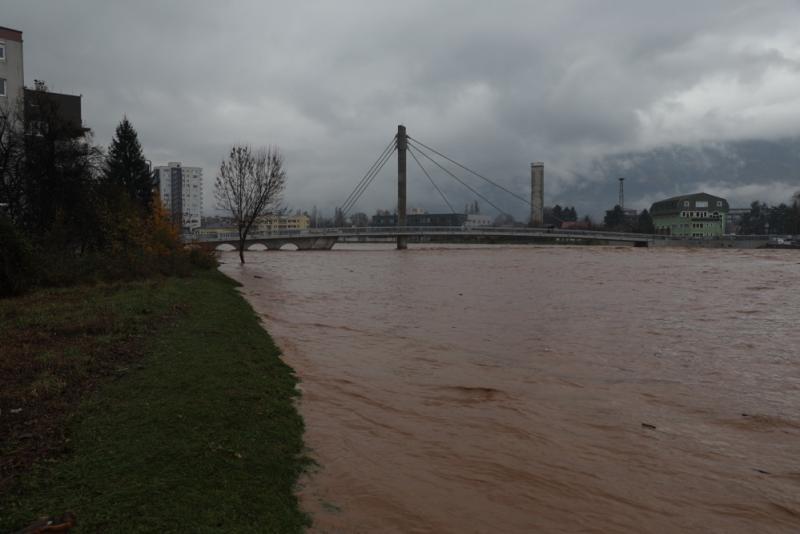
[12,144]
[250,183]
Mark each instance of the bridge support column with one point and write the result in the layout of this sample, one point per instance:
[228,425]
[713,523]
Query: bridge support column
[274,245]
[324,243]
[537,194]
[402,144]
[315,243]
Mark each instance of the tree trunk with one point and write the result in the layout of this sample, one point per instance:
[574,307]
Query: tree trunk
[241,250]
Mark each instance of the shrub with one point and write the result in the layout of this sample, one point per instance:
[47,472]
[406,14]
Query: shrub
[203,258]
[17,268]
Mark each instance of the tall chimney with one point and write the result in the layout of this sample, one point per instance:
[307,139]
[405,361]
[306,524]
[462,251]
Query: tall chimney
[622,193]
[537,193]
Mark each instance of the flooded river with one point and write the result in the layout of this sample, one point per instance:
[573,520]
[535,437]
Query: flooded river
[541,389]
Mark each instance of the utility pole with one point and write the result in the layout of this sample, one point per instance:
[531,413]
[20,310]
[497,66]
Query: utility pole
[622,193]
[402,144]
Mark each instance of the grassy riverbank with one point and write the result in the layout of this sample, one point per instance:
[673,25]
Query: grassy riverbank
[157,406]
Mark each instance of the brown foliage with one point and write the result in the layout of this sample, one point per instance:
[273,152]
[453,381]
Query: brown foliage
[132,243]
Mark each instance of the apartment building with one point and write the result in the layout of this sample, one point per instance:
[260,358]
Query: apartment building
[12,76]
[41,107]
[181,190]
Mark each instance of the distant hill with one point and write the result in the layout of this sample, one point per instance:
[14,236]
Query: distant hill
[741,171]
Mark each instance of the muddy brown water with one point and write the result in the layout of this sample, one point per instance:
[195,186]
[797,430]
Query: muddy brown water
[541,389]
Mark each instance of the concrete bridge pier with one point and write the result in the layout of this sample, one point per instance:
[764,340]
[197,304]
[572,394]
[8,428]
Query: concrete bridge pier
[315,243]
[273,245]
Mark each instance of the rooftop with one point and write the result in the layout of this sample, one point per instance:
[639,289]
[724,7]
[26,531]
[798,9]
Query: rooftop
[690,195]
[690,201]
[10,33]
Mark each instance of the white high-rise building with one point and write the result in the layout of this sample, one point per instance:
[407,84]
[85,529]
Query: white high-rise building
[12,78]
[181,190]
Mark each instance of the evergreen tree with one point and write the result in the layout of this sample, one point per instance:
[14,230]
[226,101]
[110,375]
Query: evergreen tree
[615,219]
[753,223]
[793,219]
[126,169]
[645,225]
[338,218]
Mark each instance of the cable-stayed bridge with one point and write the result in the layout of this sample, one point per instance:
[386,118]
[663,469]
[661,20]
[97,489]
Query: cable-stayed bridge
[403,144]
[326,238]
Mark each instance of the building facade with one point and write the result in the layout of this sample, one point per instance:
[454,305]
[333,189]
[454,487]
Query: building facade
[213,226]
[40,108]
[282,223]
[695,215]
[421,219]
[181,190]
[475,220]
[47,110]
[12,75]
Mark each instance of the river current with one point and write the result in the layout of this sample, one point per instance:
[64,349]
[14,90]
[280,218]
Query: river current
[541,389]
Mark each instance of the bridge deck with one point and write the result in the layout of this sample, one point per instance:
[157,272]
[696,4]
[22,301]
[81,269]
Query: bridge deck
[458,231]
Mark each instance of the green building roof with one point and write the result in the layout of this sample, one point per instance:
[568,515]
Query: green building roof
[694,201]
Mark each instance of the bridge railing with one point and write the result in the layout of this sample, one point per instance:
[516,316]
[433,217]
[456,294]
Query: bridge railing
[389,231]
[419,230]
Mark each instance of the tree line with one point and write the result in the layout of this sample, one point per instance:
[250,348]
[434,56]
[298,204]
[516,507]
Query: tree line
[71,211]
[783,219]
[616,220]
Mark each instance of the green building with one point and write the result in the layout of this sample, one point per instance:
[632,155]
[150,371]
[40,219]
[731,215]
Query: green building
[695,215]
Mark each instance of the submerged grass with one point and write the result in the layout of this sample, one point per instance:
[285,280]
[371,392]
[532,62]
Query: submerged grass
[166,405]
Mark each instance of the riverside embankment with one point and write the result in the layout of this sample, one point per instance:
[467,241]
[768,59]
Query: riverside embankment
[157,406]
[542,389]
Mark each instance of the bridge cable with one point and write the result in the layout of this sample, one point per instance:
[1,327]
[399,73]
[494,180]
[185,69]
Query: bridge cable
[471,171]
[346,209]
[366,176]
[432,182]
[390,147]
[366,184]
[362,187]
[459,180]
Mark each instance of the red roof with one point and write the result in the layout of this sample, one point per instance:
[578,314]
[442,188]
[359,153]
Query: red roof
[11,35]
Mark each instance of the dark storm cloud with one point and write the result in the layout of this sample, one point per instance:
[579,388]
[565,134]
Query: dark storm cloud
[497,85]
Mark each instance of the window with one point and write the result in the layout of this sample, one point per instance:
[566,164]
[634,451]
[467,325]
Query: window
[686,203]
[719,203]
[2,51]
[3,87]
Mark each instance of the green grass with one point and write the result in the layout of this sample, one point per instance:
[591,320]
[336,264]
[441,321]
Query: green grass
[192,429]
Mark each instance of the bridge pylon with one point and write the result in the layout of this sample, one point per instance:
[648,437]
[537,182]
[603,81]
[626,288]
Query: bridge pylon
[402,145]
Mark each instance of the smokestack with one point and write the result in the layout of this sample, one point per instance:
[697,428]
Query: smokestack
[622,193]
[537,193]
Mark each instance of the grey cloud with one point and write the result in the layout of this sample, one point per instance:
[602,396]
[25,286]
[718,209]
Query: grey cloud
[496,85]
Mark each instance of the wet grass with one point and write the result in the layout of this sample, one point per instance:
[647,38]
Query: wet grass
[146,407]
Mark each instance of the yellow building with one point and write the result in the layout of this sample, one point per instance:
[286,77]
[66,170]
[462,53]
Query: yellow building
[282,223]
[265,224]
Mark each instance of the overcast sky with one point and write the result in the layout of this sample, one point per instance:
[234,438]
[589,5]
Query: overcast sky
[495,85]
